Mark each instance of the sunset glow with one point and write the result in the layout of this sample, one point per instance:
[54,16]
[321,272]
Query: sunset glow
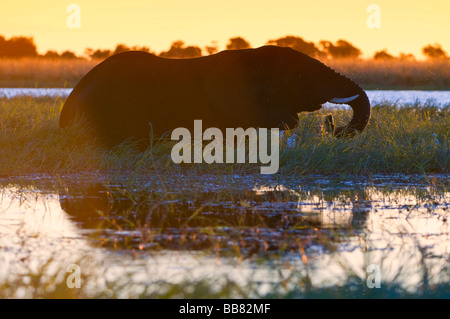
[405,26]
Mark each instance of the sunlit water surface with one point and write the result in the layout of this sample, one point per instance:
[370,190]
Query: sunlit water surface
[321,230]
[324,230]
[401,97]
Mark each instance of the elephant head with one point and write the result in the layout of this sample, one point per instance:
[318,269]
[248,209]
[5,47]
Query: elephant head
[315,84]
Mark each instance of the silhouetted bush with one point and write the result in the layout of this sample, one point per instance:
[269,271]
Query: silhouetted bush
[97,54]
[383,55]
[50,54]
[211,49]
[121,48]
[143,49]
[298,44]
[383,71]
[434,51]
[68,55]
[342,49]
[406,57]
[238,43]
[178,51]
[17,47]
[101,54]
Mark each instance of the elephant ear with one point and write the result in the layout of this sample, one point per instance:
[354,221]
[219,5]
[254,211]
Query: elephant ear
[232,81]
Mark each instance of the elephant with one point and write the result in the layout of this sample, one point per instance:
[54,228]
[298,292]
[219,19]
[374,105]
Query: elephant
[133,95]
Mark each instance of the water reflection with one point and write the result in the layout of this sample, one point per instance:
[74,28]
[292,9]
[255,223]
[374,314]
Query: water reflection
[329,230]
[88,204]
[253,221]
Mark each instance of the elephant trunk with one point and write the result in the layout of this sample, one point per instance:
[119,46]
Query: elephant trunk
[361,116]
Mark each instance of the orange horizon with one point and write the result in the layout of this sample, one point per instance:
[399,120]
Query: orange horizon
[404,26]
[204,52]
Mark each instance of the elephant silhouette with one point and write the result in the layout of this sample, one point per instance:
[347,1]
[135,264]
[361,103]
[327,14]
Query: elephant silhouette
[132,95]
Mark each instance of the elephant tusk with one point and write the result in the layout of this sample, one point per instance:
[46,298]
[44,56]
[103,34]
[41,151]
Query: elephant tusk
[344,99]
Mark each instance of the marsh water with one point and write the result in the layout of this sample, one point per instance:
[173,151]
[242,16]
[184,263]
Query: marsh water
[437,98]
[267,234]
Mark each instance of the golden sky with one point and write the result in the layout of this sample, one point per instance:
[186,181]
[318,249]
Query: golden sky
[405,25]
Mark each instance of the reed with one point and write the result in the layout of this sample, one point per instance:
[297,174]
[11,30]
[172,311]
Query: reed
[43,73]
[396,74]
[371,74]
[399,139]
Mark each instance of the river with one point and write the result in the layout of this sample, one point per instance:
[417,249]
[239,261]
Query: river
[438,98]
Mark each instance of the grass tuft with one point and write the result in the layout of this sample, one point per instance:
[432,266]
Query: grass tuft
[399,139]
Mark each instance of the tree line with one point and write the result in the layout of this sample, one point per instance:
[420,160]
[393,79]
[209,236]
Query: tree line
[19,47]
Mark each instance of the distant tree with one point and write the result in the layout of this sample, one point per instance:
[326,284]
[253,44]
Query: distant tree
[382,55]
[68,55]
[50,54]
[342,49]
[121,48]
[179,51]
[406,57]
[17,47]
[238,43]
[434,51]
[97,54]
[103,54]
[138,48]
[298,44]
[213,48]
[88,52]
[2,45]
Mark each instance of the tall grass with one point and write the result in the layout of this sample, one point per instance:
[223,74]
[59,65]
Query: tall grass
[206,222]
[43,73]
[31,141]
[399,139]
[396,74]
[371,74]
[410,139]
